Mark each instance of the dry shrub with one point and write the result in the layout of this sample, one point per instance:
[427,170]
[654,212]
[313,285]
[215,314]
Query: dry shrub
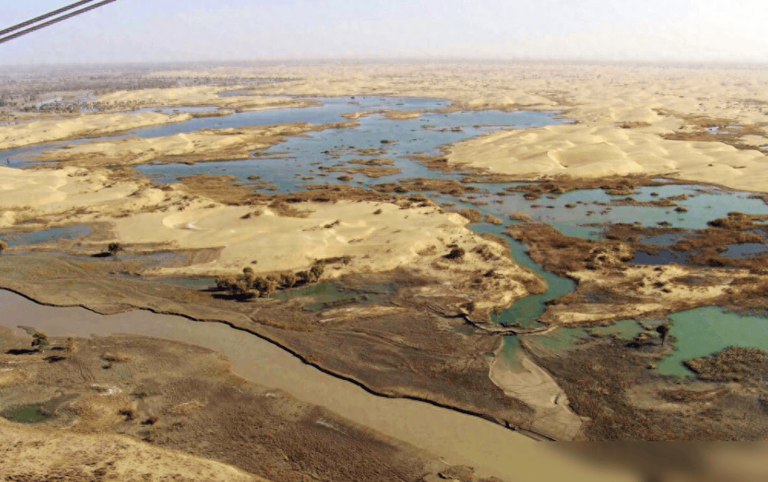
[473,215]
[734,363]
[485,252]
[129,413]
[188,408]
[282,208]
[493,220]
[456,254]
[115,357]
[430,251]
[253,214]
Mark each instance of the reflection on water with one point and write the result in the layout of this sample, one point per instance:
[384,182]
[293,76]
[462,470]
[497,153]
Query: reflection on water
[663,256]
[37,237]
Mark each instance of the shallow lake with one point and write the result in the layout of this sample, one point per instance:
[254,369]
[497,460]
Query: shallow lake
[297,163]
[15,238]
[703,331]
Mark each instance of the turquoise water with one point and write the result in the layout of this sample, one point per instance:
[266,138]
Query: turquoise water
[703,331]
[424,135]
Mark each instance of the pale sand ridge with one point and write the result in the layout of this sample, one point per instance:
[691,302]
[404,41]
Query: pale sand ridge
[534,386]
[599,151]
[376,236]
[648,101]
[55,454]
[200,146]
[53,128]
[48,130]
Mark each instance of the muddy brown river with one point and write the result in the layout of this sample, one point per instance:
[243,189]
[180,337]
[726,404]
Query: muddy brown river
[453,436]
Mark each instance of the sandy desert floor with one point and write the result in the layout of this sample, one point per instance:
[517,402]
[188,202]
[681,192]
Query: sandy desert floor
[705,125]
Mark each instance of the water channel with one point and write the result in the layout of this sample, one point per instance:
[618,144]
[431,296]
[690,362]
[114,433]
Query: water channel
[296,163]
[458,438]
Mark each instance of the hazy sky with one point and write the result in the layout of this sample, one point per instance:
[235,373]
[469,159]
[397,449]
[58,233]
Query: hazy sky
[183,30]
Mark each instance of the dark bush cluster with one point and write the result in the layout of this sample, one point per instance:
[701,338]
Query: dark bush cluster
[248,285]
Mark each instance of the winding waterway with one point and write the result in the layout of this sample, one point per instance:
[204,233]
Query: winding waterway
[296,163]
[457,438]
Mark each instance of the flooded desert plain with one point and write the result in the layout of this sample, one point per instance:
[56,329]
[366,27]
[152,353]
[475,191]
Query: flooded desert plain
[381,271]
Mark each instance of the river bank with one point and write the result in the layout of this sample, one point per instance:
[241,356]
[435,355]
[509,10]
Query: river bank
[460,439]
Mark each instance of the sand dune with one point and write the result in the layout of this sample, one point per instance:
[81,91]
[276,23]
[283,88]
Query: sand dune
[376,236]
[598,151]
[203,145]
[622,114]
[54,454]
[199,95]
[268,242]
[73,193]
[95,125]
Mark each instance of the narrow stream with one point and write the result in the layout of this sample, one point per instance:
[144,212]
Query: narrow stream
[297,163]
[458,438]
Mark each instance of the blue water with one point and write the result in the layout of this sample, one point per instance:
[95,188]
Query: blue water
[664,256]
[425,135]
[746,250]
[307,151]
[15,239]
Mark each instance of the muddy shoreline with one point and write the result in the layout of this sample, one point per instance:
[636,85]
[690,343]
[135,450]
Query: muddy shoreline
[310,353]
[509,467]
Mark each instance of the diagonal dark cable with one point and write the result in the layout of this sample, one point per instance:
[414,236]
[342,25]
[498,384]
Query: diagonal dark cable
[43,17]
[54,21]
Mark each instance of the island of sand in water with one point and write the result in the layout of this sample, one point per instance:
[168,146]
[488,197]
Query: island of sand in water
[629,202]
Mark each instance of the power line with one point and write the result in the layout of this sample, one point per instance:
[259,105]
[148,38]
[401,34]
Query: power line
[50,22]
[43,17]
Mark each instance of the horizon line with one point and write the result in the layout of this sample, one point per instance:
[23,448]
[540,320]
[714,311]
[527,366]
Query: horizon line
[402,59]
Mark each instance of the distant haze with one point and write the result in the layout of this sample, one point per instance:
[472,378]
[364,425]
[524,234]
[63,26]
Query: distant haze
[190,30]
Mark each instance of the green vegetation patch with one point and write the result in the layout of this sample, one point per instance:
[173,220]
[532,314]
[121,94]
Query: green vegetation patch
[28,414]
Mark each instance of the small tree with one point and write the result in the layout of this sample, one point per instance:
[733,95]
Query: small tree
[248,275]
[242,289]
[39,340]
[114,248]
[317,269]
[288,279]
[3,245]
[663,331]
[308,276]
[265,286]
[225,283]
[71,346]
